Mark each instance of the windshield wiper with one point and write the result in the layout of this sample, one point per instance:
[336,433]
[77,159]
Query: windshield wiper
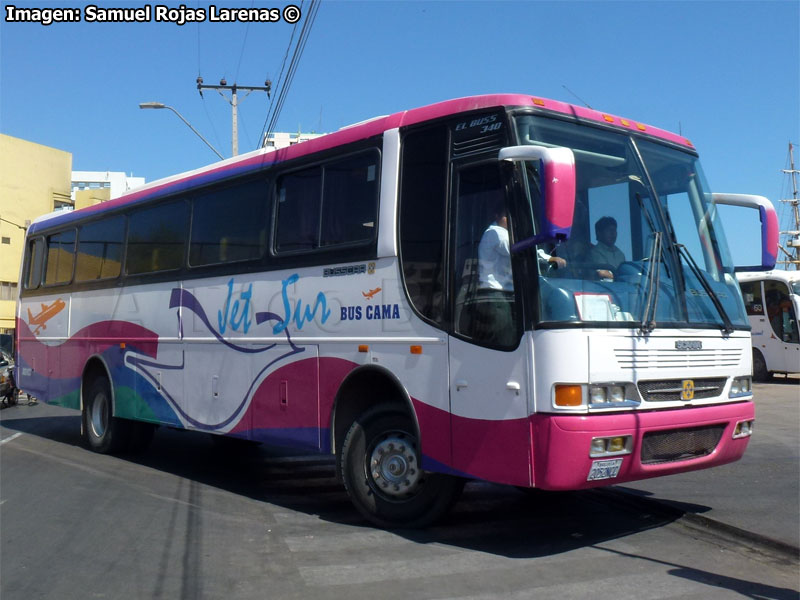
[652,284]
[727,325]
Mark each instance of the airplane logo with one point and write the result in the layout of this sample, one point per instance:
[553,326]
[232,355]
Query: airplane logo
[47,313]
[370,294]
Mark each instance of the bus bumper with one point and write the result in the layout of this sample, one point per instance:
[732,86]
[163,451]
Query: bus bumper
[661,443]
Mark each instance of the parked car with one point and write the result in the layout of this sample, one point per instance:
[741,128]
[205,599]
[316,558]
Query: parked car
[8,388]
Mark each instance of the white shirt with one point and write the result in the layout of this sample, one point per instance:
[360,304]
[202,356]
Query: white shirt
[494,260]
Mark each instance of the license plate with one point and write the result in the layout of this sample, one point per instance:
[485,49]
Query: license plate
[604,469]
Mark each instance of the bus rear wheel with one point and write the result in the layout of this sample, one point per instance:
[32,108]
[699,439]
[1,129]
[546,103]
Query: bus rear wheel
[104,432]
[381,470]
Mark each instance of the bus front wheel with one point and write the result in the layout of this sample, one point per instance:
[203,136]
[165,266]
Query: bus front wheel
[381,470]
[760,372]
[104,432]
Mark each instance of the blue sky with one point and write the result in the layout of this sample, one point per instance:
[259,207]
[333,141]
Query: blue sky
[725,74]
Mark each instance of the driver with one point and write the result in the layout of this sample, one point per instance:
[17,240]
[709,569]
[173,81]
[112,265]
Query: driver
[605,252]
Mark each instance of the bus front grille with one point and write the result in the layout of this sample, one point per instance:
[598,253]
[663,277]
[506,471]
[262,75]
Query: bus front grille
[680,444]
[667,358]
[670,390]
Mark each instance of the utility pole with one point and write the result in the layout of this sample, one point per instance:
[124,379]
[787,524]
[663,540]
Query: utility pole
[793,241]
[234,102]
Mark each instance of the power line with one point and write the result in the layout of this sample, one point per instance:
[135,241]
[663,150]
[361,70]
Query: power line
[279,81]
[244,43]
[23,227]
[295,62]
[305,32]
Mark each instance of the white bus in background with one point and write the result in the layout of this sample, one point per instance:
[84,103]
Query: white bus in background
[772,299]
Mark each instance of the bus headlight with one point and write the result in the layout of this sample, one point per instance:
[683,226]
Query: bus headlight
[598,395]
[741,386]
[608,395]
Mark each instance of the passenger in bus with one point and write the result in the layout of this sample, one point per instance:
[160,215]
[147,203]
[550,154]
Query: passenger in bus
[494,257]
[781,315]
[493,318]
[494,315]
[605,252]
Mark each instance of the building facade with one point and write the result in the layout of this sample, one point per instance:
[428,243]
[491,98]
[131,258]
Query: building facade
[94,182]
[280,140]
[34,180]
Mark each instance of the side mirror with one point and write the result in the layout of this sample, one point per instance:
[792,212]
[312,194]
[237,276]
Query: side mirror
[557,168]
[769,226]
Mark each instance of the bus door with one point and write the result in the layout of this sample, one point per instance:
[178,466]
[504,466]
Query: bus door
[760,331]
[782,319]
[488,375]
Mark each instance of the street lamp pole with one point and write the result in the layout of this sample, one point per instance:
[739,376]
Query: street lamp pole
[180,116]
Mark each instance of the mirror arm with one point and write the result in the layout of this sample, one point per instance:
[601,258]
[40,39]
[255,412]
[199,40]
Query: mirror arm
[769,226]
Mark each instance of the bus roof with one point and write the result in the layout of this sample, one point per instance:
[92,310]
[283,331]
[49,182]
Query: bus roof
[263,158]
[786,276]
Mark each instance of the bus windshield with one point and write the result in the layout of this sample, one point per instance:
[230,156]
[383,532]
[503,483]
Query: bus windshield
[646,247]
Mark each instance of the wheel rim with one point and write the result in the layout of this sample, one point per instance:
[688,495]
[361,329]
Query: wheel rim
[99,415]
[394,467]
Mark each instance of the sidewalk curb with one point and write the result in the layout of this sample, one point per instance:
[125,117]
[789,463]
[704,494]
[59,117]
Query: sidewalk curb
[762,543]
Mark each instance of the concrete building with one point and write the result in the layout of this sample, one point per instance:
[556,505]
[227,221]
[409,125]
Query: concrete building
[94,181]
[34,180]
[284,140]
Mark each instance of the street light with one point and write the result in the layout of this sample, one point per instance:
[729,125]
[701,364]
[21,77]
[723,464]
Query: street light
[160,105]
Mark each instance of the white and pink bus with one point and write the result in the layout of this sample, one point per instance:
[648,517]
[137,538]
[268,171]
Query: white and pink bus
[500,287]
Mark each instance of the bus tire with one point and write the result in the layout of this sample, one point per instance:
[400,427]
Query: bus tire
[760,372]
[380,467]
[105,433]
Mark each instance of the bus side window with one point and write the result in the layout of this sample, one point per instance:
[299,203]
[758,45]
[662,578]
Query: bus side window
[751,291]
[33,276]
[229,225]
[298,196]
[349,200]
[156,238]
[100,249]
[423,201]
[60,258]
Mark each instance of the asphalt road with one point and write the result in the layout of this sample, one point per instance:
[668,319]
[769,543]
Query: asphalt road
[760,494]
[192,519]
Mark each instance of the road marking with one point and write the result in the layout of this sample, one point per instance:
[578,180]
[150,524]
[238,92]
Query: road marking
[11,437]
